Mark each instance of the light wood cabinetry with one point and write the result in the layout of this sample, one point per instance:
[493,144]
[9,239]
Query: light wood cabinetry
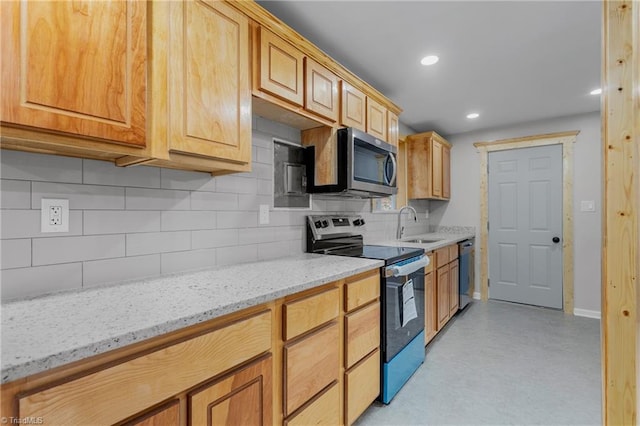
[321,90]
[353,107]
[280,67]
[376,119]
[253,367]
[240,398]
[447,275]
[428,166]
[454,296]
[430,301]
[443,289]
[76,67]
[393,128]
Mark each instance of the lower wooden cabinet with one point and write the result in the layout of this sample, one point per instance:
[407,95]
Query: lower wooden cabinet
[443,288]
[166,415]
[361,386]
[240,398]
[323,410]
[430,308]
[454,296]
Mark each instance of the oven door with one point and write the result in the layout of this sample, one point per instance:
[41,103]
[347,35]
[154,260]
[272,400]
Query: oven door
[400,323]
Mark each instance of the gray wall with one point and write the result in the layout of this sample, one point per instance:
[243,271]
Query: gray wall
[129,223]
[463,209]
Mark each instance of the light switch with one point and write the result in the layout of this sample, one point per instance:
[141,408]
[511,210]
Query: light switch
[587,206]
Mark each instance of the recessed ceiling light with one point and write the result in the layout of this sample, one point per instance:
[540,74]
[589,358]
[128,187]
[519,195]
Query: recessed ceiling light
[473,115]
[429,60]
[595,92]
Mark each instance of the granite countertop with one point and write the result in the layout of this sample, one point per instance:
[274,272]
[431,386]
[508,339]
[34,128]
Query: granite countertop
[49,331]
[444,239]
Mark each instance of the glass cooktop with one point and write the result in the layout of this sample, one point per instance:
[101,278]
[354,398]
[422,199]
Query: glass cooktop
[388,254]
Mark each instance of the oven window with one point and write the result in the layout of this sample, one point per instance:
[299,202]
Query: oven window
[371,164]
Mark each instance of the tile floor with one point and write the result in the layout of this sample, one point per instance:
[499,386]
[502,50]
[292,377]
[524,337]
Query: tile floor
[503,364]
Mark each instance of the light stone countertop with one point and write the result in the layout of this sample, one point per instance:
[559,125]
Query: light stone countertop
[445,239]
[49,331]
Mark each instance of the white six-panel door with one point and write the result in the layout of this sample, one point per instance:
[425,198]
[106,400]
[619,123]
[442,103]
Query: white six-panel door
[525,225]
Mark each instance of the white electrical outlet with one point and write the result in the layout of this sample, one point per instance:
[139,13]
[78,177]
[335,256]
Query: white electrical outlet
[264,214]
[54,216]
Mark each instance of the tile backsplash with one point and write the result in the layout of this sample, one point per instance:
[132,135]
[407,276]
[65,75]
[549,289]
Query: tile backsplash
[135,222]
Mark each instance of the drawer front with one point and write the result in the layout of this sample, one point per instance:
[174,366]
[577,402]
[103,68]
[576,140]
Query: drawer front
[306,314]
[324,410]
[432,259]
[362,386]
[362,333]
[310,365]
[453,252]
[362,291]
[152,378]
[442,256]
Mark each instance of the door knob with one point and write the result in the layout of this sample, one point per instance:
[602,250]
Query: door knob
[556,240]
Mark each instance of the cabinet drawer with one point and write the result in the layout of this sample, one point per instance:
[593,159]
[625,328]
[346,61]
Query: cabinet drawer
[310,365]
[442,256]
[305,314]
[152,378]
[362,291]
[362,386]
[362,333]
[453,252]
[324,410]
[432,259]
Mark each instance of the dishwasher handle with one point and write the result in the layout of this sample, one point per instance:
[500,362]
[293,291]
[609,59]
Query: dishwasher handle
[408,268]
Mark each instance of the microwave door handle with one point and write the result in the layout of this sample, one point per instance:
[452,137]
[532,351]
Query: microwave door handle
[392,180]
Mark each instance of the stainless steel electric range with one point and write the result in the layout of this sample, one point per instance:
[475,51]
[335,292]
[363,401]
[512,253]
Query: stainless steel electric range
[402,294]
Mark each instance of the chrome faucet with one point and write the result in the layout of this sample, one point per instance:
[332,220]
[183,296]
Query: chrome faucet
[401,228]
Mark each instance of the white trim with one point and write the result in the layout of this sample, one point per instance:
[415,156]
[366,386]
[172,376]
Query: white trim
[476,295]
[586,313]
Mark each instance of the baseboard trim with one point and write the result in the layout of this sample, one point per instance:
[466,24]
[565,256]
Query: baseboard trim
[586,313]
[476,295]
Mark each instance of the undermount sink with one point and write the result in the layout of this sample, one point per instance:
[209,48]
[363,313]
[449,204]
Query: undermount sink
[423,240]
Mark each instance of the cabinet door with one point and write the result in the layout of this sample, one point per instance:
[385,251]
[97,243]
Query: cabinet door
[446,172]
[436,168]
[362,333]
[393,131]
[376,119]
[443,289]
[454,295]
[167,415]
[281,68]
[321,90]
[361,386]
[76,67]
[209,82]
[430,308]
[241,398]
[353,107]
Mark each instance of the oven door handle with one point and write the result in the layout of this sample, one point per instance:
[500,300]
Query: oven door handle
[406,269]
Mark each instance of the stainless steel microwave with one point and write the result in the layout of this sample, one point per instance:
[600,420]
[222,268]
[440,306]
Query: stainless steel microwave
[366,167]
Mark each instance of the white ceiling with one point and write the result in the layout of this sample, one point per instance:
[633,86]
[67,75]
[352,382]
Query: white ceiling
[511,62]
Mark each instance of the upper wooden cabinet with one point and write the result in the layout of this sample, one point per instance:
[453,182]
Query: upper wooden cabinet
[393,128]
[376,119]
[321,90]
[76,67]
[428,166]
[353,107]
[208,86]
[279,67]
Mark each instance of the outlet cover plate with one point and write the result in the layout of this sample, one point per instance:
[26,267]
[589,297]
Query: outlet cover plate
[54,216]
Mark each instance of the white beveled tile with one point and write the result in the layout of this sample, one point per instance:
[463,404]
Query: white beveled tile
[106,173]
[264,155]
[214,238]
[49,251]
[257,235]
[158,242]
[187,180]
[99,272]
[81,197]
[40,167]
[157,199]
[26,224]
[181,261]
[252,202]
[120,221]
[15,253]
[26,282]
[213,201]
[237,220]
[188,220]
[273,250]
[237,254]
[236,184]
[265,187]
[15,194]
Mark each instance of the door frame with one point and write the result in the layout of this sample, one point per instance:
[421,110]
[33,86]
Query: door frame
[566,139]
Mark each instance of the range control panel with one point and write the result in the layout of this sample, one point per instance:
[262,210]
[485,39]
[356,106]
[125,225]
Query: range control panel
[334,226]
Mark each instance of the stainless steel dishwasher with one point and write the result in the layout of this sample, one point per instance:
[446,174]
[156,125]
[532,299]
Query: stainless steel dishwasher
[466,286]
